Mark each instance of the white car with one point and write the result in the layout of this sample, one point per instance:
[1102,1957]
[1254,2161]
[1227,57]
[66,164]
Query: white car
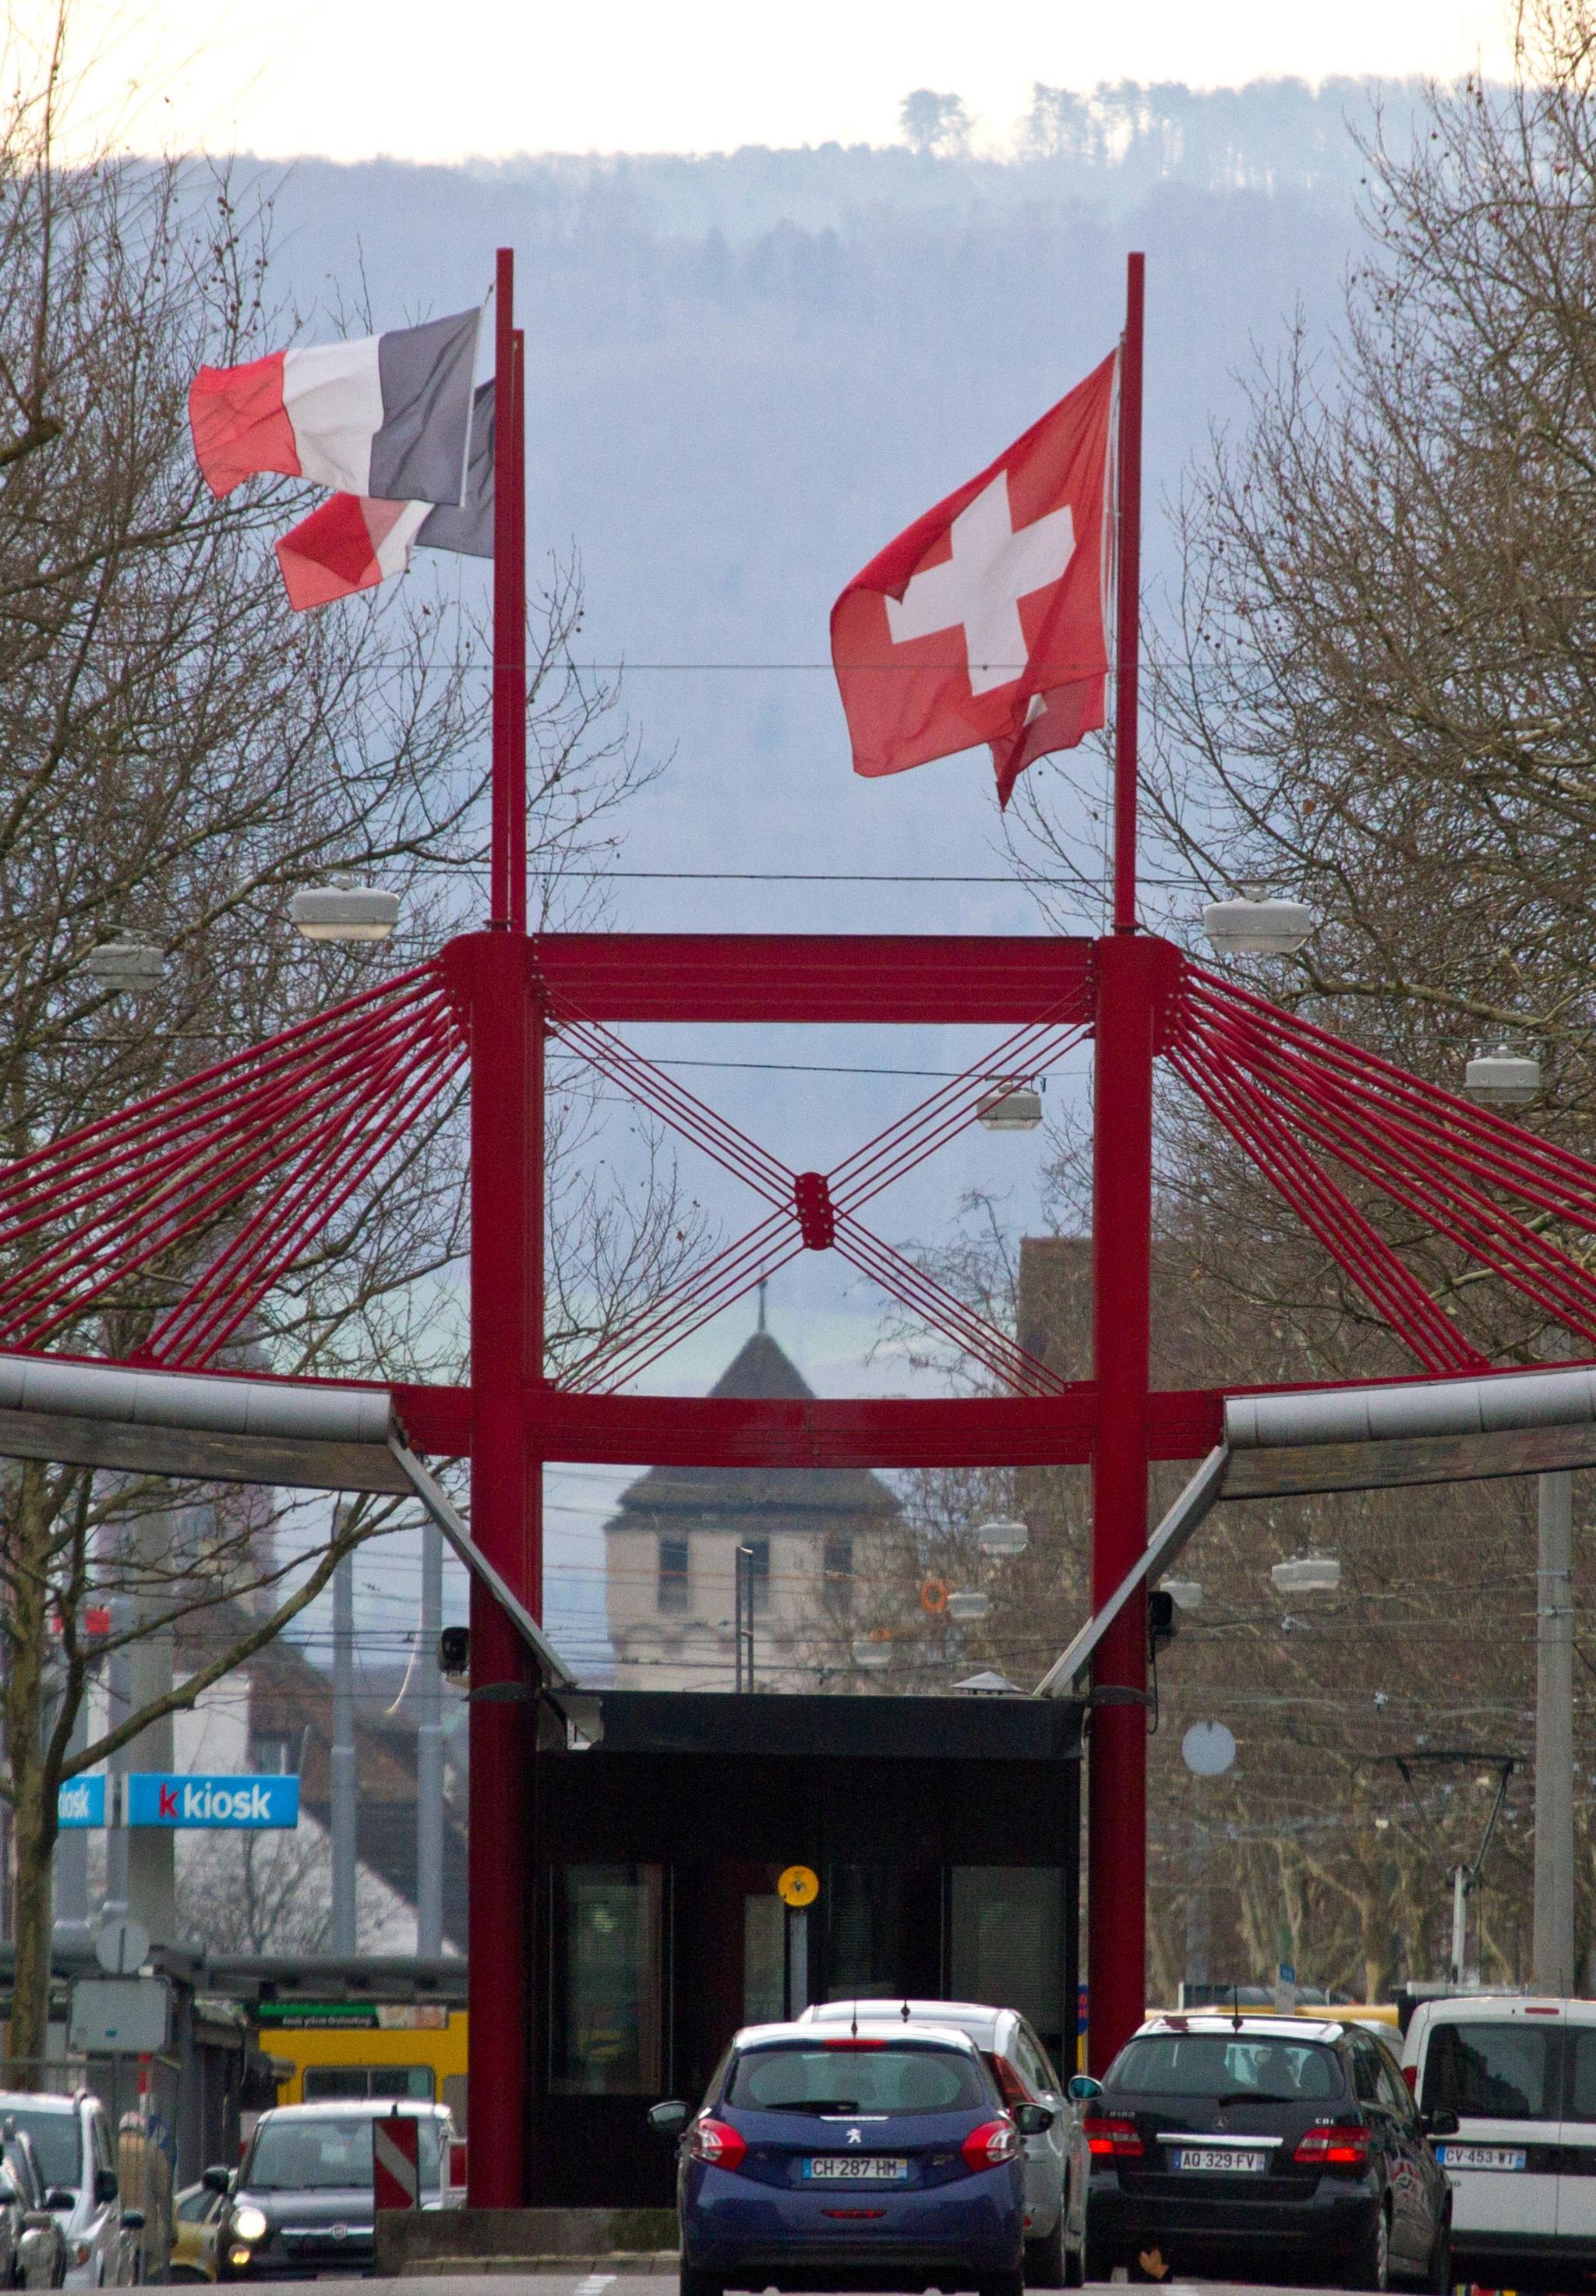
[1021,2066]
[71,2136]
[1520,2071]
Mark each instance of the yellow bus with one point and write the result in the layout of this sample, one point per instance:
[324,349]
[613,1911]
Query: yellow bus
[366,2048]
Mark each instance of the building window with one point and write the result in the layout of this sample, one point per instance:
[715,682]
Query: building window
[758,1567]
[837,1566]
[275,1753]
[672,1571]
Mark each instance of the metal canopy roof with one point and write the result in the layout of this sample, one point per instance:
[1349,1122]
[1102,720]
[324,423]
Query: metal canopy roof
[304,1434]
[1362,1439]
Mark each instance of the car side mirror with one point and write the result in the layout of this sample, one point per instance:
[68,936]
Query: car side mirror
[58,2197]
[133,2219]
[1083,2088]
[1033,2120]
[669,2120]
[217,2180]
[1441,2124]
[105,2185]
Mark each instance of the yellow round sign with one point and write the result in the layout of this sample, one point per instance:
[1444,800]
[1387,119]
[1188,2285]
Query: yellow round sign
[799,1885]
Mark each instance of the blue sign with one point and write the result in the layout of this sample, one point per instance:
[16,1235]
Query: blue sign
[81,1801]
[176,1799]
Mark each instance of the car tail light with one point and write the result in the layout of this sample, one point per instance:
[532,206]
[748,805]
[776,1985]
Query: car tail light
[459,2172]
[1344,2144]
[1112,2134]
[1011,2087]
[713,2141]
[991,2145]
[1410,2074]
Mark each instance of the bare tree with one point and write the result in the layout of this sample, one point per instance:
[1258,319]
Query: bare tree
[177,752]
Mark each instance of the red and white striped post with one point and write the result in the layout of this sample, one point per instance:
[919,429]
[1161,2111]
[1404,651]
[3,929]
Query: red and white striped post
[1127,966]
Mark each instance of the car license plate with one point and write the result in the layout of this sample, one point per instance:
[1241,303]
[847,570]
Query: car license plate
[1228,2160]
[1479,2156]
[856,2168]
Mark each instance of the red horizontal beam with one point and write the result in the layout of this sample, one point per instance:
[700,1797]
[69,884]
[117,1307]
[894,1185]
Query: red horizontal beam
[672,1430]
[890,977]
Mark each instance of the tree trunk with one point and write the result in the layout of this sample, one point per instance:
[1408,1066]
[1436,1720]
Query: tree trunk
[33,1785]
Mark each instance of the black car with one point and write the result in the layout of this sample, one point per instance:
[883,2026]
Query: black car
[302,2204]
[1271,2147]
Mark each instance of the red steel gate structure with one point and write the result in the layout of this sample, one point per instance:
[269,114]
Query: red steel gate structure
[249,1158]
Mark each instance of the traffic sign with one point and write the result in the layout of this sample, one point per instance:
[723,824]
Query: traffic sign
[396,2162]
[1207,1749]
[122,1946]
[799,1886]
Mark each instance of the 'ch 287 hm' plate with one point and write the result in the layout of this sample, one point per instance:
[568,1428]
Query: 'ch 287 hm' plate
[856,2168]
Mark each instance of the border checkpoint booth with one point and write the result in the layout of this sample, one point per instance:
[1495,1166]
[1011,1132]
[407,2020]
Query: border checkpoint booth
[944,1831]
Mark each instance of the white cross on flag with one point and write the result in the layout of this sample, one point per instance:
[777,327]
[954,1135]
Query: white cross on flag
[986,620]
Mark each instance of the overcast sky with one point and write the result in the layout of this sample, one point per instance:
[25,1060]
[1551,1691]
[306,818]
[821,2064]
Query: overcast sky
[413,80]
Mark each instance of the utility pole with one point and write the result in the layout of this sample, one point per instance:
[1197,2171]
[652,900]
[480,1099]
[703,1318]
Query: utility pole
[344,1804]
[430,1754]
[1554,1739]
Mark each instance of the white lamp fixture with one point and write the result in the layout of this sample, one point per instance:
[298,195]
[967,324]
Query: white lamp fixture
[1002,1536]
[123,964]
[1307,1574]
[1502,1077]
[1012,1108]
[967,1604]
[1253,923]
[1185,1594]
[343,910]
[870,1653]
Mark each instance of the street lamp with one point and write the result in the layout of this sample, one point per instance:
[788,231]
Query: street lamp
[1002,1536]
[126,964]
[872,1651]
[1015,1107]
[1185,1594]
[1253,923]
[343,910]
[967,1604]
[1501,1077]
[1307,1574]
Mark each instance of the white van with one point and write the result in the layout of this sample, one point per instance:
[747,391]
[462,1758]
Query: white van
[1519,2072]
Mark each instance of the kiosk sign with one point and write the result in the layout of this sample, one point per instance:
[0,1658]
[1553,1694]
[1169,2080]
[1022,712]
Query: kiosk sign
[176,1799]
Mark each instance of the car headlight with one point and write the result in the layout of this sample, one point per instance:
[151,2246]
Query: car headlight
[248,2224]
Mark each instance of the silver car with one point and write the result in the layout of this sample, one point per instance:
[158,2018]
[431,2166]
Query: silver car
[72,2137]
[1024,2074]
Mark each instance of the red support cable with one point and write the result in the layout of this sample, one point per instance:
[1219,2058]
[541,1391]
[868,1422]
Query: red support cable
[1403,1162]
[1355,1246]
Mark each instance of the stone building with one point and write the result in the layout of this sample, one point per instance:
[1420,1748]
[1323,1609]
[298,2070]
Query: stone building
[817,1538]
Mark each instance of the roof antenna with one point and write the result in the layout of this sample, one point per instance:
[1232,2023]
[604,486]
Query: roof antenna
[854,2028]
[764,1280]
[905,2010]
[1235,2006]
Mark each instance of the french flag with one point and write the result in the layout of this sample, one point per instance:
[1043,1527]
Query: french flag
[354,542]
[388,417]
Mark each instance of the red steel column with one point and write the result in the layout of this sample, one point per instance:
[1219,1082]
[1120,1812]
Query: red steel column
[1127,966]
[1121,1240]
[506,1335]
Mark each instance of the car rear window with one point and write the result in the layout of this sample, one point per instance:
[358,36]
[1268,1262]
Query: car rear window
[1497,2073]
[897,2077]
[1222,2065]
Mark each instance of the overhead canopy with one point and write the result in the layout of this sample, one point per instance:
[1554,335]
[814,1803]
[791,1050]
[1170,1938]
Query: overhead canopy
[298,1434]
[1362,1439]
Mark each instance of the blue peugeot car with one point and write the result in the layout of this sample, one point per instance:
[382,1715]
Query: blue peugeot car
[881,2157]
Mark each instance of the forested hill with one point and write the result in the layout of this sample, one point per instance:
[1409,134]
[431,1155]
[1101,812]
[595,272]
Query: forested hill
[747,371]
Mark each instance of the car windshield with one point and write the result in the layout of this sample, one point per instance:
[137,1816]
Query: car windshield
[1233,2065]
[326,2153]
[55,2143]
[891,2077]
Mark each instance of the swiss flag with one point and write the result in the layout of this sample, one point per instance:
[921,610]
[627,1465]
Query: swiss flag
[987,619]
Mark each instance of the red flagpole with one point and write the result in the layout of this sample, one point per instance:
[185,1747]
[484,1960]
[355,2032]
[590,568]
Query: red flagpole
[1127,967]
[506,1312]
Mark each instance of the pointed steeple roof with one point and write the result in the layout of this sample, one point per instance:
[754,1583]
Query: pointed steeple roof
[761,1368]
